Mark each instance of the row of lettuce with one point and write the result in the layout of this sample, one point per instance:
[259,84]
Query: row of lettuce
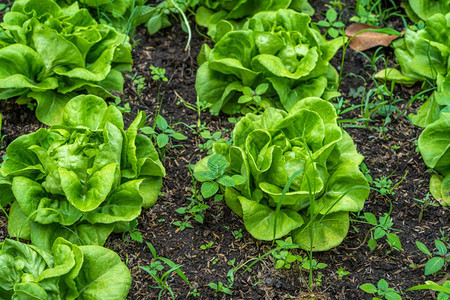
[424,56]
[73,184]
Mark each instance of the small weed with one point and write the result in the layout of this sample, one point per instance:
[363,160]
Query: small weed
[220,288]
[341,272]
[250,95]
[156,268]
[357,93]
[366,173]
[382,289]
[437,260]
[124,109]
[165,135]
[207,246]
[395,147]
[237,234]
[214,176]
[424,204]
[381,228]
[135,234]
[139,84]
[158,73]
[333,26]
[182,225]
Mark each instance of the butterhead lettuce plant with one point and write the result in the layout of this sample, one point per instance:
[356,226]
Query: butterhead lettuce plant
[224,15]
[276,57]
[301,175]
[81,179]
[423,55]
[50,55]
[434,146]
[66,271]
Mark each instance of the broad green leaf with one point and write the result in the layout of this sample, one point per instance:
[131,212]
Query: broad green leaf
[368,288]
[209,188]
[327,231]
[434,265]
[89,195]
[124,204]
[84,110]
[423,248]
[394,241]
[259,220]
[103,275]
[162,139]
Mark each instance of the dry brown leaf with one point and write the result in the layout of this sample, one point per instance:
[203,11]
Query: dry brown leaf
[368,39]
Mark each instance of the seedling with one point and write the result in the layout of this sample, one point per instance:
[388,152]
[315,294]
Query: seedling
[382,289]
[125,108]
[166,134]
[283,258]
[135,234]
[158,73]
[214,175]
[216,137]
[219,287]
[182,225]
[384,184]
[382,228]
[250,95]
[206,246]
[155,269]
[331,23]
[424,204]
[437,260]
[139,84]
[341,272]
[237,234]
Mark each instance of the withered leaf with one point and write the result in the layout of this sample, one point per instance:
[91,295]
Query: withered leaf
[369,39]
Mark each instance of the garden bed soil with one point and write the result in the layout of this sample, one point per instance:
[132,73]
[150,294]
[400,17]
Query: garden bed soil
[393,154]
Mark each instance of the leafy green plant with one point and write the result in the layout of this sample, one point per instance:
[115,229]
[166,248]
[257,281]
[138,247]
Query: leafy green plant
[219,287]
[120,14]
[81,179]
[384,186]
[418,10]
[421,57]
[67,271]
[275,59]
[381,228]
[214,176]
[156,268]
[300,179]
[437,260]
[52,64]
[333,26]
[382,289]
[223,16]
[434,145]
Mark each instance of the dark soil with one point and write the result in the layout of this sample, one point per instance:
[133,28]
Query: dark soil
[392,155]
